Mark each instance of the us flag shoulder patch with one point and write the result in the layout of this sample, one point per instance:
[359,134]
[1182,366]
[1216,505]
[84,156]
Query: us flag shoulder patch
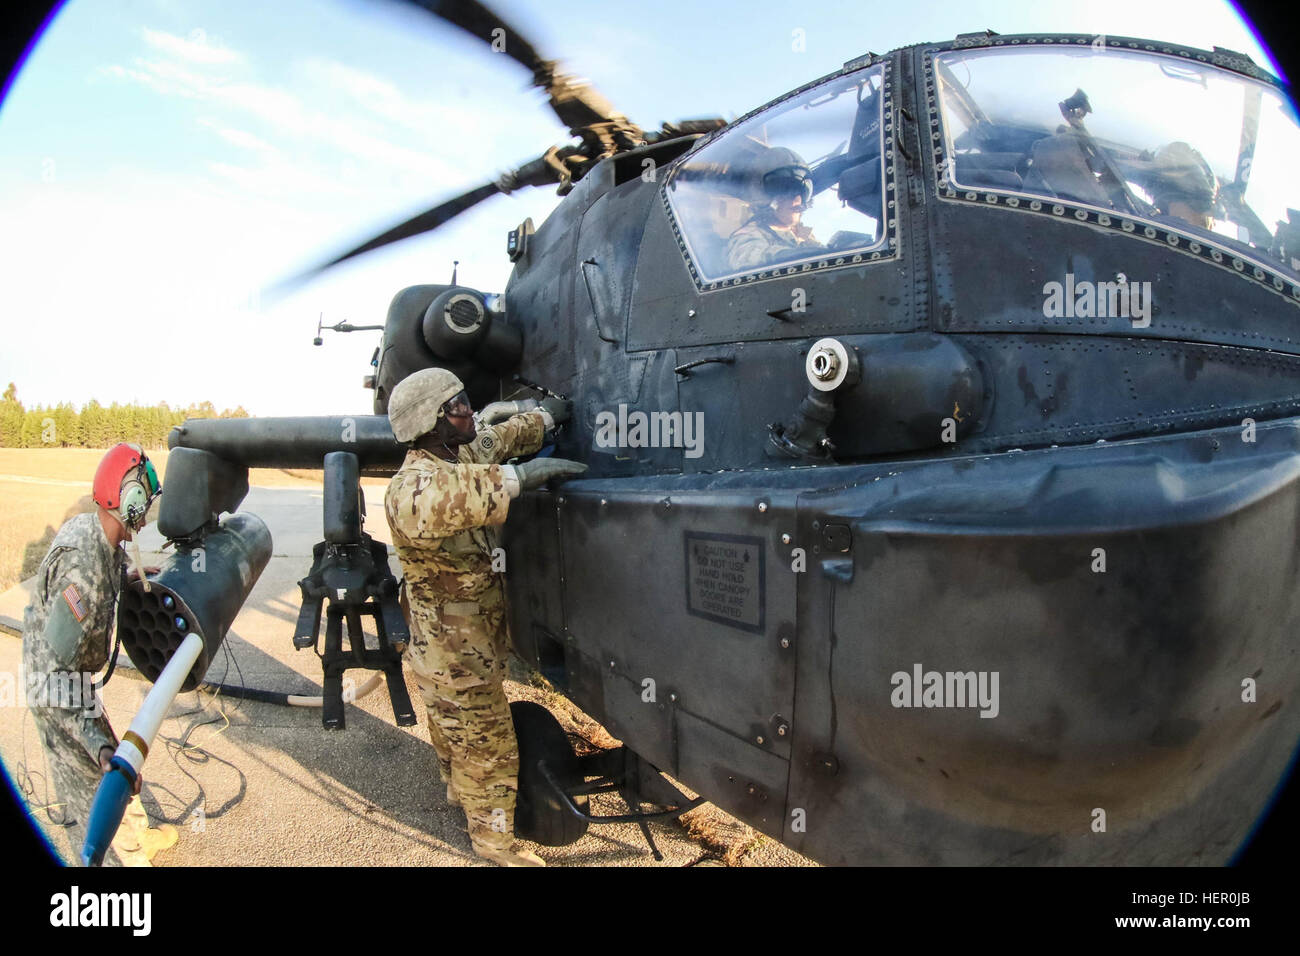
[75,604]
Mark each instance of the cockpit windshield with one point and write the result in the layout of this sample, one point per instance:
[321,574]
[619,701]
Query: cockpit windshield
[1165,139]
[793,184]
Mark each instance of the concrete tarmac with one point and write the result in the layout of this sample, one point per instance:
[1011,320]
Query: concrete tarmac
[248,783]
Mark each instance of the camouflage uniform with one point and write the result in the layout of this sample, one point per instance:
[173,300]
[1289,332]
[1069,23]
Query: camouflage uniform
[761,243]
[67,628]
[443,517]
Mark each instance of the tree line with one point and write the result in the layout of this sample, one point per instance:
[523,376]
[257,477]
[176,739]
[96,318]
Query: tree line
[95,425]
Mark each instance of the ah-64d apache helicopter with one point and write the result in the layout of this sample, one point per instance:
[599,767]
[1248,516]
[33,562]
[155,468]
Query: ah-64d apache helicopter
[943,422]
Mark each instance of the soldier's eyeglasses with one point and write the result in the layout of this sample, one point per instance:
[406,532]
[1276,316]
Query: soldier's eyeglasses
[458,407]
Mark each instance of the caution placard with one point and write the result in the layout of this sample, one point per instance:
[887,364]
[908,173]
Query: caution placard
[724,579]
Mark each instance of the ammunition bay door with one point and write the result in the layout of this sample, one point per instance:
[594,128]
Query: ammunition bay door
[679,634]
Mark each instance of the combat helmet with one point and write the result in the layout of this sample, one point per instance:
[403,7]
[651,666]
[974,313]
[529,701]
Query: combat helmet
[417,400]
[1183,175]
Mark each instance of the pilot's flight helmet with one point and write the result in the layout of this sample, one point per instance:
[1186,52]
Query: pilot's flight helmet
[417,402]
[1183,175]
[783,174]
[126,484]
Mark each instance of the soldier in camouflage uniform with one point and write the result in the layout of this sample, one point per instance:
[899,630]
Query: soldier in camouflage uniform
[775,233]
[67,631]
[444,506]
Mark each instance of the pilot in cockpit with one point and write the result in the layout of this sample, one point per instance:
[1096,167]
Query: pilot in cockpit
[775,233]
[1183,186]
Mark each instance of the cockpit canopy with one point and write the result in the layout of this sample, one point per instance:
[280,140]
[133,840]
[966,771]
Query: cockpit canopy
[790,185]
[1154,137]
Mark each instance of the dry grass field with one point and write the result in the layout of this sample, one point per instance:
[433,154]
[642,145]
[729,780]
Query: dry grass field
[40,488]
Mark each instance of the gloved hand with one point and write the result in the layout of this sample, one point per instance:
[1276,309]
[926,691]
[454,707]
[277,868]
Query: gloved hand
[560,409]
[489,415]
[535,473]
[105,764]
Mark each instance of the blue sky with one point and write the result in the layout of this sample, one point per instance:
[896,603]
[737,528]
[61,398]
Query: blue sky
[161,161]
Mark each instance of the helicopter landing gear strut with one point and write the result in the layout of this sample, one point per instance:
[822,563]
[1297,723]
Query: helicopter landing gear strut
[552,806]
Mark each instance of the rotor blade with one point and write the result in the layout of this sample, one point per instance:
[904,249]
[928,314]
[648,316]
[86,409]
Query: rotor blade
[478,21]
[575,102]
[417,225]
[425,222]
[689,127]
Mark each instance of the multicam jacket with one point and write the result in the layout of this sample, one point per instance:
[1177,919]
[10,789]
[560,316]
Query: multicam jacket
[444,516]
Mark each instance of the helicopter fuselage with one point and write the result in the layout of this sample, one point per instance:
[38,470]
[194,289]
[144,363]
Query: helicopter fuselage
[1018,589]
[1109,536]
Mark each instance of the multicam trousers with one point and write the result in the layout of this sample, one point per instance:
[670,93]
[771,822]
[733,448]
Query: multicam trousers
[458,653]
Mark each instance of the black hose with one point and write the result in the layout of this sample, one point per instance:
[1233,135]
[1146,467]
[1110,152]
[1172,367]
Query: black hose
[247,693]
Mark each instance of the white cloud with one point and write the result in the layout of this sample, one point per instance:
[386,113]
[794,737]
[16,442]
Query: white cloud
[286,114]
[379,97]
[198,48]
[237,137]
[360,84]
[149,78]
[289,181]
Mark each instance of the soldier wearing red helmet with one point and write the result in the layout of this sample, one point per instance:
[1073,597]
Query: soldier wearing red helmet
[67,631]
[125,486]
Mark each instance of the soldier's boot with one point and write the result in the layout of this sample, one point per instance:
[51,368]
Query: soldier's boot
[136,842]
[128,850]
[509,856]
[156,839]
